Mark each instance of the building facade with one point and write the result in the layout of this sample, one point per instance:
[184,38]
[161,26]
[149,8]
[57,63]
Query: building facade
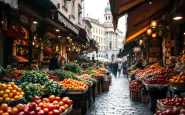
[109,41]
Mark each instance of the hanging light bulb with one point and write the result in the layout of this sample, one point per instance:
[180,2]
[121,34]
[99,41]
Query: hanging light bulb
[33,43]
[149,31]
[154,35]
[69,49]
[154,24]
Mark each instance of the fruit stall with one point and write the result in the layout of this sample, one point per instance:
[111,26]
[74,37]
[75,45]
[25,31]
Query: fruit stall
[155,83]
[55,92]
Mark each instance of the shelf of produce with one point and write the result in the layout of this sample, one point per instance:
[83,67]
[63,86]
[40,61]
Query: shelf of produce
[14,103]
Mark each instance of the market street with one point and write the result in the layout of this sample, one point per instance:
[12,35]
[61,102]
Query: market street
[117,101]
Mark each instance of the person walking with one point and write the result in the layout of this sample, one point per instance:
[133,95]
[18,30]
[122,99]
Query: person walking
[54,64]
[124,66]
[119,68]
[115,68]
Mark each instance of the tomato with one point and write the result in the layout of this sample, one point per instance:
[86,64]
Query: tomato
[14,111]
[55,102]
[5,113]
[60,111]
[40,105]
[50,113]
[61,103]
[69,102]
[67,98]
[64,100]
[62,108]
[20,107]
[57,99]
[56,106]
[45,100]
[1,112]
[56,112]
[50,107]
[66,106]
[4,107]
[51,98]
[46,110]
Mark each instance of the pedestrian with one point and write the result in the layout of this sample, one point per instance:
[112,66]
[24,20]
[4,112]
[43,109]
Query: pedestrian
[139,64]
[119,68]
[93,60]
[124,66]
[115,68]
[110,67]
[54,64]
[106,65]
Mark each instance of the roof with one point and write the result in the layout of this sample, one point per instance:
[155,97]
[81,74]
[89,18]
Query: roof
[107,8]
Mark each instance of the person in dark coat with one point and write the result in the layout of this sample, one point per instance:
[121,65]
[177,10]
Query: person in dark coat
[54,64]
[139,64]
[115,68]
[124,67]
[93,60]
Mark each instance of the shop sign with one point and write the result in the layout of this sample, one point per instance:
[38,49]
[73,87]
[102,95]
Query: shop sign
[136,49]
[23,19]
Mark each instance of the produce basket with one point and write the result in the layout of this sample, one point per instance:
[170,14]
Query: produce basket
[69,109]
[135,95]
[71,91]
[14,103]
[178,85]
[161,106]
[65,112]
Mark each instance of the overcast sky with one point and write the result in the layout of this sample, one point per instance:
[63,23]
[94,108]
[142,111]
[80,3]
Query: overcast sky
[95,9]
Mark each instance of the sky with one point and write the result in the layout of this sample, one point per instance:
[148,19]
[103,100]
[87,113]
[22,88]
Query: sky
[95,9]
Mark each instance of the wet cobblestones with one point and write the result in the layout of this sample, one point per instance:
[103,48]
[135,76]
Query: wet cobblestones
[117,101]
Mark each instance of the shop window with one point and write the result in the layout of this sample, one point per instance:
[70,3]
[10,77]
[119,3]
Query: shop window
[73,8]
[58,5]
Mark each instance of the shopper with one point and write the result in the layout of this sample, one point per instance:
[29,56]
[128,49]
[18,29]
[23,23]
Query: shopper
[119,68]
[139,64]
[110,66]
[106,64]
[115,68]
[93,60]
[54,62]
[124,66]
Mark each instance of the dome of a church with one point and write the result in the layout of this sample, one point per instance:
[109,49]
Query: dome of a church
[107,8]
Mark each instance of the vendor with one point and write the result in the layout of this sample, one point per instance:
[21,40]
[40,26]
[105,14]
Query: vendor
[139,64]
[180,65]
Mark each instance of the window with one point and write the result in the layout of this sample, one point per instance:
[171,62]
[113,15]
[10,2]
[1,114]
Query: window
[58,5]
[79,13]
[73,8]
[99,40]
[99,31]
[64,4]
[94,37]
[93,29]
[109,17]
[96,30]
[106,17]
[110,45]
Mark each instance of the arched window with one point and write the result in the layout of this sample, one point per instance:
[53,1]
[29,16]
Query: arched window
[109,17]
[110,45]
[106,17]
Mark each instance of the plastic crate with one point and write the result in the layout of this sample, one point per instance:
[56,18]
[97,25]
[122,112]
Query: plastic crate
[135,95]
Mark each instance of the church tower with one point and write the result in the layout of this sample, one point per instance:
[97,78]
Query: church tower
[108,15]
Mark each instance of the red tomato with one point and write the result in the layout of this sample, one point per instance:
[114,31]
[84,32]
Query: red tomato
[56,112]
[46,110]
[50,113]
[69,102]
[60,111]
[51,98]
[57,99]
[64,100]
[56,106]
[40,105]
[62,108]
[45,100]
[20,107]
[50,107]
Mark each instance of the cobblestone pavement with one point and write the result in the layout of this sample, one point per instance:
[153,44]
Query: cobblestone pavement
[117,101]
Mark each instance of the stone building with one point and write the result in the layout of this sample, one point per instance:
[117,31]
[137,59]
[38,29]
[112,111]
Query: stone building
[109,41]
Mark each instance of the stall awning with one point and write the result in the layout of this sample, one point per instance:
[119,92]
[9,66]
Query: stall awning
[68,23]
[13,3]
[138,10]
[83,37]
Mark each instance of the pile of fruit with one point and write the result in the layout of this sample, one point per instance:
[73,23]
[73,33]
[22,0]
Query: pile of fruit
[21,59]
[47,106]
[73,84]
[176,101]
[98,75]
[13,75]
[102,69]
[159,79]
[178,79]
[10,92]
[134,85]
[172,111]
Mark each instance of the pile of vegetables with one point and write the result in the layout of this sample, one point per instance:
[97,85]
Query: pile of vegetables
[3,72]
[64,74]
[34,77]
[52,88]
[73,67]
[30,90]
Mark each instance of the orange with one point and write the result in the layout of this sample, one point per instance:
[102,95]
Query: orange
[20,96]
[18,93]
[8,85]
[4,107]
[14,111]
[7,99]
[10,88]
[5,96]
[5,113]
[181,81]
[16,97]
[12,99]
[3,86]
[11,95]
[14,92]
[66,106]
[12,84]
[19,89]
[1,99]
[1,93]
[7,91]
[22,93]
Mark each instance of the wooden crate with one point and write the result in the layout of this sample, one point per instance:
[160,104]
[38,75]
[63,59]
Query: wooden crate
[144,98]
[160,106]
[135,95]
[106,85]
